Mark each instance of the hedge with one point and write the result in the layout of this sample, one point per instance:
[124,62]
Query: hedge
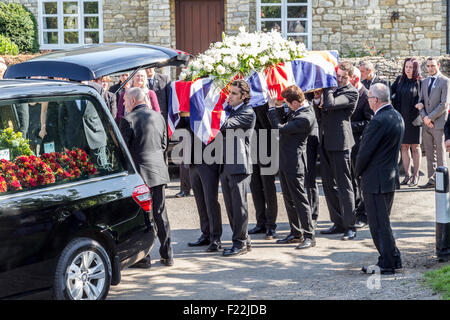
[19,24]
[7,46]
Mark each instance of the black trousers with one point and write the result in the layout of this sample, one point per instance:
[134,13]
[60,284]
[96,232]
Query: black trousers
[378,208]
[335,167]
[162,221]
[205,185]
[185,182]
[234,189]
[312,152]
[360,210]
[264,195]
[297,205]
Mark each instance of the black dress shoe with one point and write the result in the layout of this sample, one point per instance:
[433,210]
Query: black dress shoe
[333,230]
[307,243]
[256,230]
[182,194]
[373,270]
[360,224]
[429,185]
[290,239]
[349,235]
[166,262]
[202,241]
[270,234]
[144,263]
[234,251]
[215,246]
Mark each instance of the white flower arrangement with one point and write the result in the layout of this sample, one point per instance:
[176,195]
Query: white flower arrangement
[242,54]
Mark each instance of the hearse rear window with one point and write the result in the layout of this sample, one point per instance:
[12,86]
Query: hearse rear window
[52,141]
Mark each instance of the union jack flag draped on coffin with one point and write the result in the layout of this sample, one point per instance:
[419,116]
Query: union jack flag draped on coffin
[205,101]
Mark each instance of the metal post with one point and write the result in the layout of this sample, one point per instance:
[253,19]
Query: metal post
[442,214]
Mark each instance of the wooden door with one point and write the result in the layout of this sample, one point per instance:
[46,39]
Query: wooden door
[198,24]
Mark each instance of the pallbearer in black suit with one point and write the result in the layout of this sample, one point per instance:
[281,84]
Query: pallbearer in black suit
[377,165]
[336,141]
[204,176]
[294,126]
[262,185]
[144,132]
[237,131]
[359,120]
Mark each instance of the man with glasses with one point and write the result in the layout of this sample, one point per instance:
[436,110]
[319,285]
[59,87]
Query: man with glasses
[336,141]
[434,99]
[377,166]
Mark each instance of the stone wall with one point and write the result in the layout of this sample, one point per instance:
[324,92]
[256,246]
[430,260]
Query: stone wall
[349,25]
[392,67]
[126,21]
[239,13]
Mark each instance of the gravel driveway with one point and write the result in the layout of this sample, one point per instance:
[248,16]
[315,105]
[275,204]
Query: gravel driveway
[331,270]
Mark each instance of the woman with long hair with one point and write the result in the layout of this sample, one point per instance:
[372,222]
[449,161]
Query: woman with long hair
[405,95]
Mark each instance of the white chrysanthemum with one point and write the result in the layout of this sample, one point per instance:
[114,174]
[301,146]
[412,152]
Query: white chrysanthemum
[263,60]
[183,75]
[220,69]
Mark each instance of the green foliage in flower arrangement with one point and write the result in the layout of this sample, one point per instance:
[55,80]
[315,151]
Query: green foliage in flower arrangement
[242,54]
[8,47]
[15,142]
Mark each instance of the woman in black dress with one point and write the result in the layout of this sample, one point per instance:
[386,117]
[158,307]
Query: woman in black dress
[405,95]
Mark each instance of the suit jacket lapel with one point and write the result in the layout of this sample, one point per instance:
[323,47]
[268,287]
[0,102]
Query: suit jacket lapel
[434,85]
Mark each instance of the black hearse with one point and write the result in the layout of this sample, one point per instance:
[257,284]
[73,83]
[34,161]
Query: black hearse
[73,209]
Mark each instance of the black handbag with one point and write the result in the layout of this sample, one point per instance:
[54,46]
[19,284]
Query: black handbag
[418,121]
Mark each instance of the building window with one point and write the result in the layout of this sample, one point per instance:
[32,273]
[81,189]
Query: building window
[292,18]
[66,23]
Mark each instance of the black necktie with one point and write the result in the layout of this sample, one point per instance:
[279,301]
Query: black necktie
[430,85]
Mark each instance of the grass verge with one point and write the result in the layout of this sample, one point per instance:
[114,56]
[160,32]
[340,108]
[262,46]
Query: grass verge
[439,281]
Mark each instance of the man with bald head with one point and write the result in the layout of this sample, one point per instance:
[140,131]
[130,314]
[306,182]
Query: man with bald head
[377,166]
[144,132]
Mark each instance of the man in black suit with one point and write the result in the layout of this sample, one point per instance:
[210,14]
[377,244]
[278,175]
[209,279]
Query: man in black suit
[160,83]
[204,175]
[360,119]
[80,126]
[312,157]
[294,127]
[262,185]
[336,140]
[447,134]
[377,165]
[144,132]
[235,174]
[368,75]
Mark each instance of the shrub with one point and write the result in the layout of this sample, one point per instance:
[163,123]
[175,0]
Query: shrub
[7,46]
[18,24]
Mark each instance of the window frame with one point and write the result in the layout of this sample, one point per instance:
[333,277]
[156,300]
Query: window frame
[111,136]
[285,4]
[60,15]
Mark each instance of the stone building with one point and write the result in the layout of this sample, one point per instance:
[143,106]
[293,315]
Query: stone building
[353,27]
